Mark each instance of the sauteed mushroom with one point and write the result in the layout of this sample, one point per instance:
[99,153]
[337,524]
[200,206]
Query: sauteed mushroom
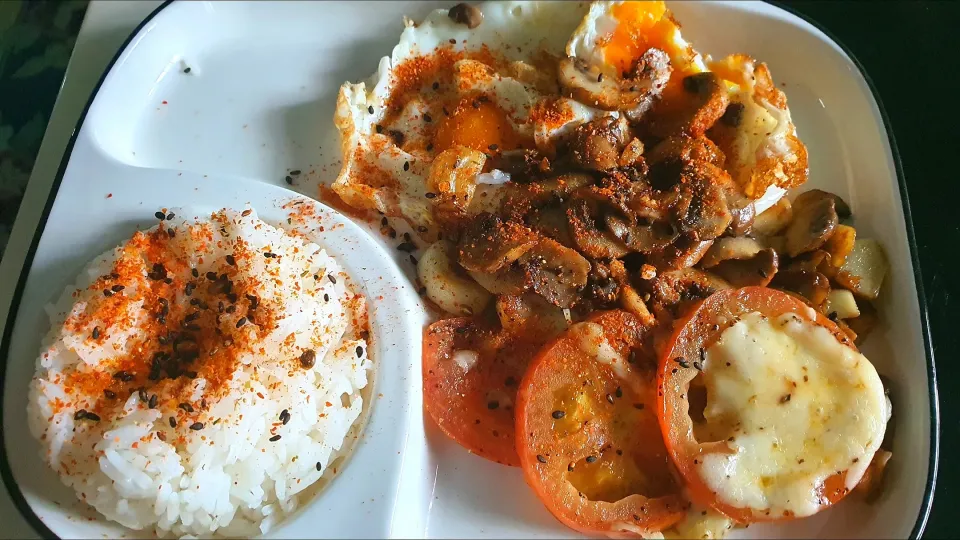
[489,244]
[815,218]
[588,85]
[598,144]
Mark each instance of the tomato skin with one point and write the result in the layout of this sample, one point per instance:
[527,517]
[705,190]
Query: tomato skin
[699,330]
[475,407]
[618,430]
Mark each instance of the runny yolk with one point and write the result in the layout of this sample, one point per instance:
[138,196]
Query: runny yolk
[476,123]
[640,26]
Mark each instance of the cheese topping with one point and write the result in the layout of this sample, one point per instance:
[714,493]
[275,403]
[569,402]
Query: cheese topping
[795,407]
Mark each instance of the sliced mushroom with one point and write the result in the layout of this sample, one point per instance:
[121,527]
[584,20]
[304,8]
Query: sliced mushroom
[555,272]
[597,145]
[589,238]
[507,280]
[467,14]
[629,299]
[632,154]
[701,207]
[590,86]
[446,287]
[530,314]
[743,212]
[758,270]
[694,111]
[864,269]
[488,244]
[774,219]
[671,291]
[682,148]
[843,209]
[683,253]
[815,218]
[813,261]
[643,238]
[551,221]
[813,287]
[728,248]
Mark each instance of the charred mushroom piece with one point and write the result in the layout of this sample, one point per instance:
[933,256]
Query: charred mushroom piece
[758,270]
[671,292]
[589,238]
[555,272]
[684,149]
[694,111]
[683,253]
[467,14]
[815,218]
[507,280]
[488,244]
[743,212]
[642,238]
[644,83]
[701,207]
[597,145]
[813,287]
[730,248]
[632,154]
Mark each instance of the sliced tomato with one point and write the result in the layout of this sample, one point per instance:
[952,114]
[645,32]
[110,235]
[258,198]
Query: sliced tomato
[587,434]
[471,372]
[695,334]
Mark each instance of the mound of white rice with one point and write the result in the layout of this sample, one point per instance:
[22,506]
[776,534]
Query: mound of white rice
[201,376]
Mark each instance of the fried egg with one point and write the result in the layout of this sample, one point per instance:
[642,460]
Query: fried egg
[446,86]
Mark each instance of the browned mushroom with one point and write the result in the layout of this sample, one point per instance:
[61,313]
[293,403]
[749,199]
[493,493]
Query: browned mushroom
[814,220]
[758,270]
[813,287]
[629,299]
[632,154]
[683,253]
[643,238]
[730,248]
[597,145]
[637,92]
[555,272]
[592,241]
[685,149]
[508,280]
[774,219]
[488,243]
[743,211]
[671,292]
[692,111]
[700,207]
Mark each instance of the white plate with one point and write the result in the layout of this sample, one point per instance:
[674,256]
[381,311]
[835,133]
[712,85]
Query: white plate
[258,101]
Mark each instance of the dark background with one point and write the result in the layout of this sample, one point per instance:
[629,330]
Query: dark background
[910,51]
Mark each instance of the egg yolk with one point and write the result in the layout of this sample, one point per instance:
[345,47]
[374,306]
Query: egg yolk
[476,123]
[640,26]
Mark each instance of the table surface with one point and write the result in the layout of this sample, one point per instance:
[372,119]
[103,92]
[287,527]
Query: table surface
[908,49]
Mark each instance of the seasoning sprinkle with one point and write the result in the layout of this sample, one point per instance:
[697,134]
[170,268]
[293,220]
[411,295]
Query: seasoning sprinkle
[308,358]
[406,165]
[430,195]
[160,215]
[359,351]
[153,402]
[241,322]
[288,179]
[275,438]
[170,216]
[284,416]
[194,272]
[558,414]
[370,109]
[326,297]
[332,279]
[541,459]
[96,333]
[318,466]
[108,293]
[109,393]
[186,406]
[591,459]
[173,422]
[196,426]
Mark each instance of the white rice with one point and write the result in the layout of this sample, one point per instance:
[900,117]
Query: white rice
[226,478]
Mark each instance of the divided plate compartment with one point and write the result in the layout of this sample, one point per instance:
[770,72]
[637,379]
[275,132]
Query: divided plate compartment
[258,101]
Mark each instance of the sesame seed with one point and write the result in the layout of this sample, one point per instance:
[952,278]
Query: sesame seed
[110,393]
[359,351]
[92,416]
[407,247]
[108,293]
[430,195]
[231,260]
[196,426]
[318,466]
[406,165]
[173,422]
[295,172]
[370,109]
[186,406]
[332,279]
[246,212]
[427,118]
[80,415]
[609,399]
[194,272]
[284,416]
[170,216]
[436,86]
[275,438]
[326,297]
[541,459]
[288,179]
[241,322]
[558,415]
[96,333]
[591,459]
[171,233]
[308,358]
[117,288]
[160,215]
[619,392]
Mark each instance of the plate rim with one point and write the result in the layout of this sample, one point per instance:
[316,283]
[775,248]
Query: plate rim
[27,512]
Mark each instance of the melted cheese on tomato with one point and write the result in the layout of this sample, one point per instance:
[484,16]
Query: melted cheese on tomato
[795,406]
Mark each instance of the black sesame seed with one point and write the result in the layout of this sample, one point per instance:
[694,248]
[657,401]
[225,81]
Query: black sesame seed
[406,165]
[619,392]
[220,307]
[160,215]
[407,247]
[332,279]
[609,399]
[591,459]
[318,466]
[171,233]
[492,405]
[142,394]
[493,147]
[173,422]
[384,222]
[96,333]
[241,322]
[541,459]
[231,308]
[413,260]
[275,438]
[436,86]
[370,109]
[92,417]
[186,406]
[429,195]
[326,297]
[170,216]
[288,179]
[427,118]
[638,406]
[359,351]
[295,172]
[429,147]
[558,415]
[187,70]
[196,426]
[108,293]
[378,128]
[117,288]
[153,402]
[212,276]
[123,376]
[284,416]
[114,275]
[168,281]
[80,415]
[231,260]
[110,394]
